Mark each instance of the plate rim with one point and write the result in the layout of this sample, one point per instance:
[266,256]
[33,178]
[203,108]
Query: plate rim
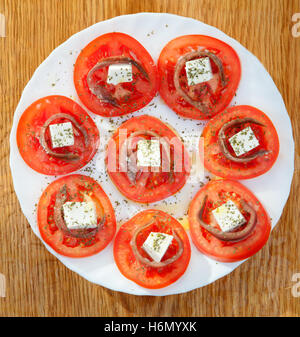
[15,122]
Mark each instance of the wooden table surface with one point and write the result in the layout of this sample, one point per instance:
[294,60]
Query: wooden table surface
[37,283]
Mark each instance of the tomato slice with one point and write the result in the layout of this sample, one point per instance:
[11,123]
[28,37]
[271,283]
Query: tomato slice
[131,96]
[79,187]
[133,269]
[151,186]
[219,192]
[218,164]
[212,94]
[30,129]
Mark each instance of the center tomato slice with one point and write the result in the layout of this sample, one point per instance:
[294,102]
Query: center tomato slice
[218,193]
[80,188]
[130,96]
[133,269]
[149,186]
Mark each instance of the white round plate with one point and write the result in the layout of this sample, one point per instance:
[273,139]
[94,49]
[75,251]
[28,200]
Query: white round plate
[55,76]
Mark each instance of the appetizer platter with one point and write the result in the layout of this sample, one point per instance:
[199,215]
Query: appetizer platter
[152,154]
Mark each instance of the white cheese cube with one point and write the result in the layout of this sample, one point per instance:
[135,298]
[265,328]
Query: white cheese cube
[198,71]
[80,215]
[148,152]
[243,141]
[228,216]
[61,134]
[157,244]
[119,73]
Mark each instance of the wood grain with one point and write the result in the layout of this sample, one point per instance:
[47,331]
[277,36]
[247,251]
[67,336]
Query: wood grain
[37,284]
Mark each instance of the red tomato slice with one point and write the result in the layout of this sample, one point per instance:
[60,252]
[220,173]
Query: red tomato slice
[218,192]
[151,186]
[218,164]
[78,187]
[133,269]
[211,93]
[131,96]
[29,131]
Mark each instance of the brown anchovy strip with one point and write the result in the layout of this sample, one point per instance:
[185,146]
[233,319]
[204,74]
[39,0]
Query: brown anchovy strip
[68,155]
[99,90]
[133,173]
[145,260]
[181,62]
[222,140]
[61,198]
[230,236]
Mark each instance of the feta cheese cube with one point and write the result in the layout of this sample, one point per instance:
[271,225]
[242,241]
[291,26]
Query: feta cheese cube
[157,244]
[198,71]
[148,152]
[80,215]
[243,141]
[119,73]
[228,216]
[61,134]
